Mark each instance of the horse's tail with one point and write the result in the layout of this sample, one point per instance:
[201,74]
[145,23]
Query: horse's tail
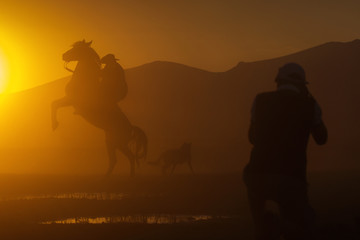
[141,143]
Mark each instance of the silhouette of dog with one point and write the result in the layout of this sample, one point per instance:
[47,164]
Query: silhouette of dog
[172,158]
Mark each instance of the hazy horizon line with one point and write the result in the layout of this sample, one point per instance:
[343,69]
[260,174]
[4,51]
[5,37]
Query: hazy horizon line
[186,65]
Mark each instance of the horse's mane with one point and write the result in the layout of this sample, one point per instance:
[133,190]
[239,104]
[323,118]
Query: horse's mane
[96,56]
[80,44]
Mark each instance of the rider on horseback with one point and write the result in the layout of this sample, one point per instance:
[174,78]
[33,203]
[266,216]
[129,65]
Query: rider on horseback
[94,93]
[113,87]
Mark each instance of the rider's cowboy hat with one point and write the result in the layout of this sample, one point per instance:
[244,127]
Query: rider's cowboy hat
[108,58]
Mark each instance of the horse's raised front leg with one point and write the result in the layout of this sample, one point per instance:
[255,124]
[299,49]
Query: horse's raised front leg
[55,105]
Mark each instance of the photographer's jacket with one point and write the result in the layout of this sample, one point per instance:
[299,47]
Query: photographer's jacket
[281,124]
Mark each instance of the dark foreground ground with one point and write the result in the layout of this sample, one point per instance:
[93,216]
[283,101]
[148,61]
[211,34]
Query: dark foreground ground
[220,230]
[26,201]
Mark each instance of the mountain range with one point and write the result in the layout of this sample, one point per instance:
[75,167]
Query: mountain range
[175,103]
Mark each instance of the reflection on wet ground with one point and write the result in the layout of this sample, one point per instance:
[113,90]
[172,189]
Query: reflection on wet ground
[143,219]
[74,195]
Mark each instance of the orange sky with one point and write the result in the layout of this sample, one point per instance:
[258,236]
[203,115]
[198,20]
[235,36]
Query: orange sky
[212,35]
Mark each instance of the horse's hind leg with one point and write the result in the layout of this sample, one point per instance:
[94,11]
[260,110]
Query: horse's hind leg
[139,143]
[131,157]
[136,157]
[111,150]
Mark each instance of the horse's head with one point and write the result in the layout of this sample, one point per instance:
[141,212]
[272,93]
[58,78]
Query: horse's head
[81,50]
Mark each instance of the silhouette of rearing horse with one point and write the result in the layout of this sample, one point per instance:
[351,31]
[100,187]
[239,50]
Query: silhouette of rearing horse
[82,92]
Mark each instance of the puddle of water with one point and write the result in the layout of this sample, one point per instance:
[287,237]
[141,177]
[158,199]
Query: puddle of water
[76,195]
[144,219]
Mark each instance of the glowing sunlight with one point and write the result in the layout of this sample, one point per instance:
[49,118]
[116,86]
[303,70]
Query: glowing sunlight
[3,72]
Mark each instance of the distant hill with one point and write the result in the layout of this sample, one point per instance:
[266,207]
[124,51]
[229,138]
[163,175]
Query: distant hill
[174,103]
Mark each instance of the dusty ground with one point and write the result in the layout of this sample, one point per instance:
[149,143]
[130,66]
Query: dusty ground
[335,197]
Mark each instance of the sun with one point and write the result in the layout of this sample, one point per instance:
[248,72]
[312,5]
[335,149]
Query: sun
[3,72]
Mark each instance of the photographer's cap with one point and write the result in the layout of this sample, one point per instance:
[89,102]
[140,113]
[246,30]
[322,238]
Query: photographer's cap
[292,73]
